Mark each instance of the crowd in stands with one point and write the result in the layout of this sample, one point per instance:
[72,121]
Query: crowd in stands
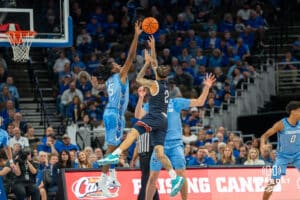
[195,38]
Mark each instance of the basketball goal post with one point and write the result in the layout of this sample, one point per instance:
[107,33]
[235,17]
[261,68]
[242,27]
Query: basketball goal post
[20,41]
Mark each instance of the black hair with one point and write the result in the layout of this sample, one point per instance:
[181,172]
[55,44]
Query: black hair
[3,154]
[163,71]
[103,72]
[292,105]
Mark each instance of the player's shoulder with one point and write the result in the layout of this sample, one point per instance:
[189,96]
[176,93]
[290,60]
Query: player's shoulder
[279,125]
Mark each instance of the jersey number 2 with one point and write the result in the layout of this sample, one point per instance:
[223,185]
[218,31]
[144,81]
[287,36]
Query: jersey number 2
[166,96]
[293,139]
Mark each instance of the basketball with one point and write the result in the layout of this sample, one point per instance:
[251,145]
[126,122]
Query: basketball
[150,25]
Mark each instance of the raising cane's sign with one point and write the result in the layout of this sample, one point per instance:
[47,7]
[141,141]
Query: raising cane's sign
[204,184]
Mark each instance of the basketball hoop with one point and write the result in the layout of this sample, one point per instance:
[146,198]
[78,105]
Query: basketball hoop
[20,42]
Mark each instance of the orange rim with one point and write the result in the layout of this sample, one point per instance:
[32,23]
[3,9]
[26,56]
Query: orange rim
[16,37]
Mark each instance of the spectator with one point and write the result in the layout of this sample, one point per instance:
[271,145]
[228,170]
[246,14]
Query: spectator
[187,153]
[210,25]
[244,12]
[51,145]
[19,122]
[227,24]
[83,33]
[50,178]
[237,143]
[290,59]
[23,141]
[66,144]
[24,185]
[201,158]
[201,138]
[194,119]
[239,25]
[187,136]
[227,157]
[91,27]
[92,63]
[64,160]
[183,80]
[68,96]
[83,161]
[253,158]
[85,47]
[12,90]
[200,58]
[266,155]
[242,49]
[212,41]
[33,141]
[181,26]
[216,59]
[184,56]
[99,153]
[123,162]
[191,36]
[203,10]
[209,135]
[242,155]
[221,147]
[77,63]
[174,91]
[248,37]
[5,95]
[88,151]
[176,49]
[59,64]
[213,155]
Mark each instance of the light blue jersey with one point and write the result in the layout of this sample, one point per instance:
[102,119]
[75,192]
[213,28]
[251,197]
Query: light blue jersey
[118,93]
[173,146]
[289,138]
[113,117]
[288,149]
[3,138]
[174,133]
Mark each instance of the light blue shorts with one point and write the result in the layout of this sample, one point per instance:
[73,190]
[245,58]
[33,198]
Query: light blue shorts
[114,126]
[281,163]
[175,155]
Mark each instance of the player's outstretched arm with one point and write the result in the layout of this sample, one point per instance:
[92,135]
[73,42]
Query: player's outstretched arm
[154,63]
[139,112]
[152,85]
[208,82]
[278,126]
[132,52]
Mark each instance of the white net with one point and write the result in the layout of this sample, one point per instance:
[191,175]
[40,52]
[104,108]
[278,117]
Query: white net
[20,42]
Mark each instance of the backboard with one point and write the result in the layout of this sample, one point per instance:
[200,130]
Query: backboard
[49,18]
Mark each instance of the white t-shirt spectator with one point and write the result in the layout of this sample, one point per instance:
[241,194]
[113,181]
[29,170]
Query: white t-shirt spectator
[60,64]
[244,14]
[254,162]
[189,139]
[23,141]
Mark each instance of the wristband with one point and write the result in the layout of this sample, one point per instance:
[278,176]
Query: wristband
[11,161]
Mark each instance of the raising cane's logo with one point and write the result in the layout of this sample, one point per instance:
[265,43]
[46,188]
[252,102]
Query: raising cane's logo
[86,188]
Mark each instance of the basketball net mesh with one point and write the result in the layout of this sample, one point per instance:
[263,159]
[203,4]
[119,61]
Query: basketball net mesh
[20,42]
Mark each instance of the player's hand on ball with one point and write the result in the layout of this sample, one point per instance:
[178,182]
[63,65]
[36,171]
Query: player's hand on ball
[141,91]
[209,80]
[137,28]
